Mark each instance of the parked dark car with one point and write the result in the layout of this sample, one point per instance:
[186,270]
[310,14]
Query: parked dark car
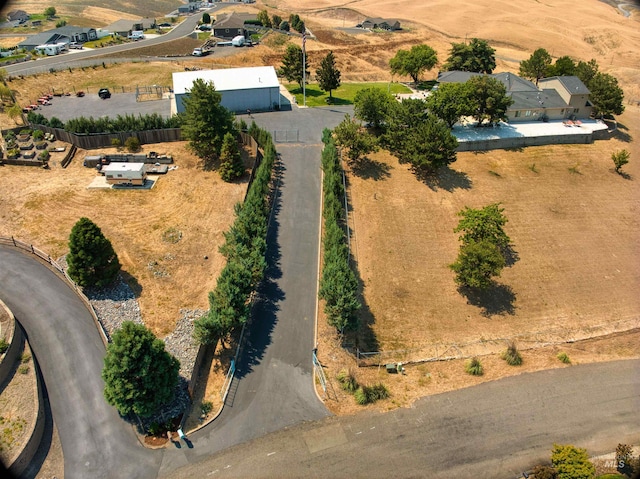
[104,93]
[204,28]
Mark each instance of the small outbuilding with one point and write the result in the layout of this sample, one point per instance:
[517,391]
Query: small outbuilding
[242,89]
[133,174]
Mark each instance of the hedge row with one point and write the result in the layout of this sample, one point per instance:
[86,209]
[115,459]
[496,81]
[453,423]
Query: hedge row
[245,249]
[118,124]
[338,284]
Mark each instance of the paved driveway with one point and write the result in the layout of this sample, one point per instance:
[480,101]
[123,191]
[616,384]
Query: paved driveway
[96,442]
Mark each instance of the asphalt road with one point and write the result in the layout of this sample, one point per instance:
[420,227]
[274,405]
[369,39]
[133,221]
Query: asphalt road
[494,430]
[96,442]
[62,61]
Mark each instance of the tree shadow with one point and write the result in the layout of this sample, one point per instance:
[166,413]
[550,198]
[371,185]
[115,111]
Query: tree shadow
[369,169]
[619,131]
[445,179]
[625,175]
[511,256]
[263,317]
[498,299]
[133,283]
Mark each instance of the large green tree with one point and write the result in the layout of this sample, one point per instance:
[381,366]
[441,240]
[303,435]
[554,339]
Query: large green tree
[206,121]
[475,56]
[139,375]
[91,259]
[328,74]
[572,462]
[477,263]
[478,224]
[536,66]
[372,105]
[231,165]
[355,141]
[488,100]
[449,102]
[413,62]
[586,71]
[606,95]
[564,66]
[292,68]
[264,18]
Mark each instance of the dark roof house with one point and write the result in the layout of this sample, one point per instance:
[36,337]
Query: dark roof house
[125,27]
[65,34]
[229,26]
[382,23]
[19,16]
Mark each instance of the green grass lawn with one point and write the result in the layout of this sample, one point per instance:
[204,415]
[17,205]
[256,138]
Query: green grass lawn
[343,95]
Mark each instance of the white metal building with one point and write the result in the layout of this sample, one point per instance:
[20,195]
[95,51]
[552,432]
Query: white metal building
[242,89]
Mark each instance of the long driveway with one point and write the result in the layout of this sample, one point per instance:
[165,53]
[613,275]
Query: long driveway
[96,442]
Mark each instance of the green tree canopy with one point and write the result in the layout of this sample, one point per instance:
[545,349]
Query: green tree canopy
[205,121]
[488,99]
[372,105]
[536,66]
[477,263]
[91,259]
[413,62]
[607,97]
[620,158]
[354,139]
[449,102]
[572,462]
[50,11]
[586,71]
[284,26]
[292,68]
[564,66]
[483,224]
[206,18]
[476,56]
[139,375]
[328,74]
[263,17]
[231,165]
[276,20]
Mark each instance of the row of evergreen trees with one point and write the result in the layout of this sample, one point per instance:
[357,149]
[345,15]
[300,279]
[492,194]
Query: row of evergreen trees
[121,123]
[338,284]
[245,248]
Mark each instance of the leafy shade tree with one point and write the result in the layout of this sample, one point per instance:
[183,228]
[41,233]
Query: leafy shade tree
[276,20]
[488,99]
[5,92]
[477,263]
[292,67]
[206,18]
[564,66]
[356,142]
[449,102]
[50,12]
[536,66]
[572,462]
[231,165]
[139,375]
[328,75]
[205,121]
[484,224]
[620,158]
[91,259]
[296,23]
[586,71]
[476,56]
[607,97]
[284,26]
[14,112]
[413,62]
[263,17]
[372,105]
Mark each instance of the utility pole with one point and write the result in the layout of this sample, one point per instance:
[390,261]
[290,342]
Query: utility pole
[304,68]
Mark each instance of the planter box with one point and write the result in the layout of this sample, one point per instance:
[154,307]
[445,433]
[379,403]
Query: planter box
[41,145]
[29,154]
[23,137]
[28,146]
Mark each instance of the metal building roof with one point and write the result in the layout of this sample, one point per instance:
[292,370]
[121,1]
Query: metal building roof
[228,79]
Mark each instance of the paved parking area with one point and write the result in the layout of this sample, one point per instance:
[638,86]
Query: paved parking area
[68,107]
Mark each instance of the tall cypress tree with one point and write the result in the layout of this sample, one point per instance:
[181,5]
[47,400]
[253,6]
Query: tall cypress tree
[91,259]
[231,165]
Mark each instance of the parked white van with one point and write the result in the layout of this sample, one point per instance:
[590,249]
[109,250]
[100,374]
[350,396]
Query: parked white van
[136,35]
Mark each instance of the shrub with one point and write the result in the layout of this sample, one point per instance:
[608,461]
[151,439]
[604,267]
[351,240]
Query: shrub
[544,472]
[564,358]
[116,143]
[206,407]
[4,345]
[132,144]
[370,394]
[347,381]
[25,358]
[55,122]
[23,369]
[474,367]
[512,355]
[571,462]
[38,134]
[26,131]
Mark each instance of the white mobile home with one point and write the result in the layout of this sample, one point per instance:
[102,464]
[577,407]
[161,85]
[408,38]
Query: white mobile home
[125,173]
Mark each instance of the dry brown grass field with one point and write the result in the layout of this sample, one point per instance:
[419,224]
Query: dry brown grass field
[41,206]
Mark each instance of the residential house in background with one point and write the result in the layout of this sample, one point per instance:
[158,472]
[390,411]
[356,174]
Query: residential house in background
[19,16]
[229,26]
[124,28]
[381,23]
[66,35]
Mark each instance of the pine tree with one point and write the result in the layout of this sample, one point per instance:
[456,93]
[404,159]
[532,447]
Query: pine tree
[292,65]
[328,75]
[231,165]
[91,259]
[139,375]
